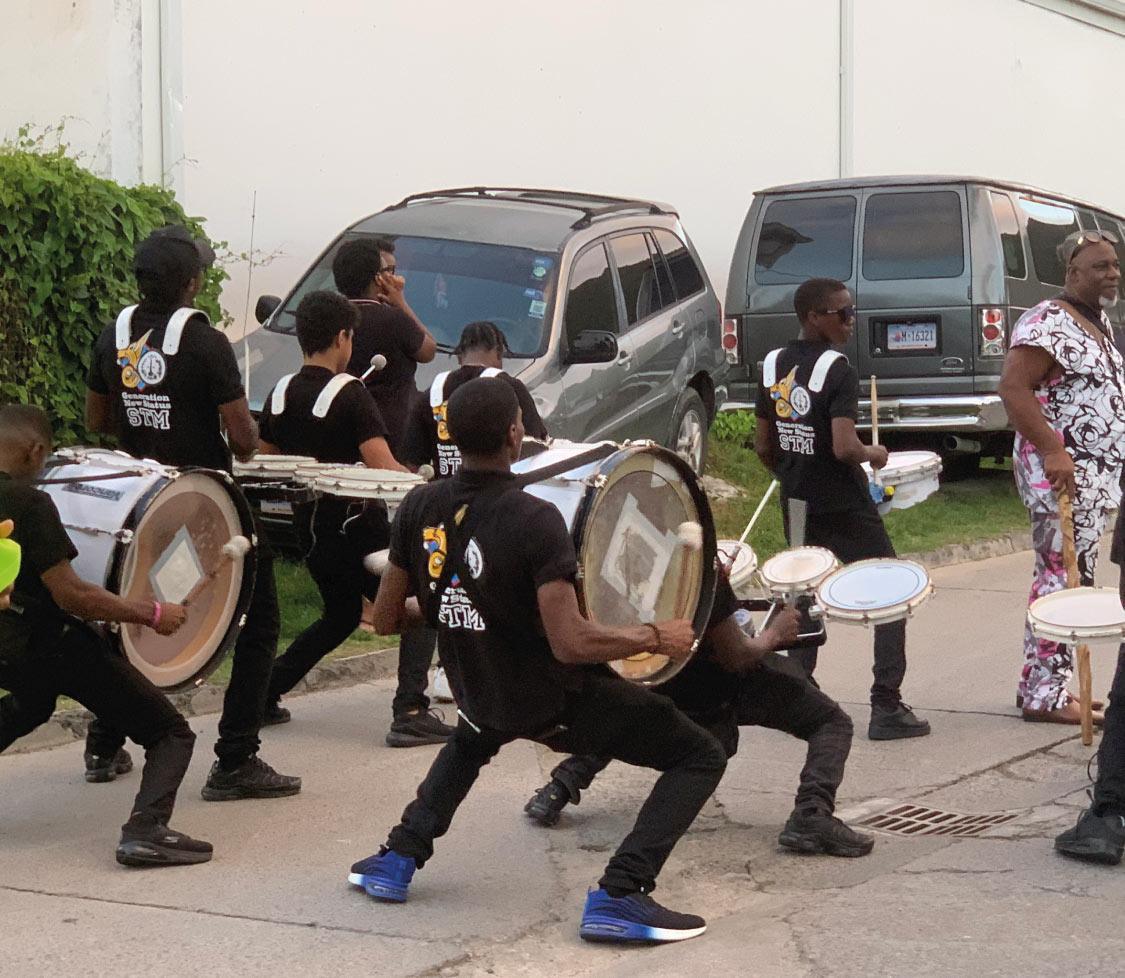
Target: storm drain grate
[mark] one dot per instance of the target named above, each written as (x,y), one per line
(913,820)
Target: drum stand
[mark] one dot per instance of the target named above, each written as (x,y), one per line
(1085,678)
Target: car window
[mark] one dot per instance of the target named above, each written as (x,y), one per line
(1015,262)
(1117,310)
(637,275)
(663,276)
(686,276)
(591,302)
(809,237)
(913,235)
(1047,225)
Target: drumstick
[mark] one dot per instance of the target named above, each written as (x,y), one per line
(758,512)
(234,549)
(875,424)
(1070,558)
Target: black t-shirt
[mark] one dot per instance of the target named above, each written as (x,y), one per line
(492,645)
(802,419)
(166,406)
(388,330)
(40,533)
(703,686)
(352,419)
(427,437)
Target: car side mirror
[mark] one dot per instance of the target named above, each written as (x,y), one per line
(265,306)
(592,346)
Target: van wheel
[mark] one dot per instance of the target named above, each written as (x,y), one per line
(690,439)
(959,465)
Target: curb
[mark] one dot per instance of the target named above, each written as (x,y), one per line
(965,553)
(67,726)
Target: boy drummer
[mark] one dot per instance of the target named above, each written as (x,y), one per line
(808,402)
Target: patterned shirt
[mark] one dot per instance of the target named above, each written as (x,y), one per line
(1085,406)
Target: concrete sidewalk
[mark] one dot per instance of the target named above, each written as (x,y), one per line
(503,897)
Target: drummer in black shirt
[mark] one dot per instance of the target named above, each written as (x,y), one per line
(327,414)
(365,271)
(161,380)
(493,568)
(480,352)
(47,650)
(736,680)
(808,403)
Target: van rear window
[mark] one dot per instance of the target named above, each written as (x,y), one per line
(808,237)
(1015,264)
(1047,225)
(913,235)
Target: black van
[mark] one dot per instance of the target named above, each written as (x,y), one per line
(941,268)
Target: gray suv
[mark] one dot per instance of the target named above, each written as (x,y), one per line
(610,318)
(941,268)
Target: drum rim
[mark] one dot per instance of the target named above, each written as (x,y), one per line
(709,578)
(927,467)
(810,584)
(249,570)
(742,547)
(901,609)
(1041,628)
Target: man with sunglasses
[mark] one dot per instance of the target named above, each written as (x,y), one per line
(808,402)
(1064,389)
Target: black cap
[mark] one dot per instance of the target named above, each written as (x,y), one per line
(171,254)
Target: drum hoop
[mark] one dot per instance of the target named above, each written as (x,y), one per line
(1074,632)
(893,612)
(249,568)
(811,583)
(587,506)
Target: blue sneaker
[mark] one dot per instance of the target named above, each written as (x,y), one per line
(385,876)
(635,919)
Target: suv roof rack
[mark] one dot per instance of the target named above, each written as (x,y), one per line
(570,200)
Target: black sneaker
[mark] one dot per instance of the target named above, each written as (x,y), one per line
(816,833)
(547,803)
(99,770)
(275,714)
(895,724)
(253,778)
(416,729)
(1095,839)
(158,845)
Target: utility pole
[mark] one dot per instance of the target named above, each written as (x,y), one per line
(847,61)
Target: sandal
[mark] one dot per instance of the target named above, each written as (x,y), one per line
(1070,714)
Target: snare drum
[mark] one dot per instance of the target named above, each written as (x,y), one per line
(155,533)
(271,482)
(624,513)
(742,564)
(796,572)
(357,482)
(1085,615)
(907,478)
(873,592)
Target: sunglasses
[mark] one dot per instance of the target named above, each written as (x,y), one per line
(845,313)
(1093,237)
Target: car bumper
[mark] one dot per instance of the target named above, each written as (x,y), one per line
(974,413)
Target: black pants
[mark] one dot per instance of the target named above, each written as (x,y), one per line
(415,653)
(1109,790)
(75,661)
(775,695)
(244,703)
(608,717)
(860,535)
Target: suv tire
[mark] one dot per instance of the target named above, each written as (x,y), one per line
(689,433)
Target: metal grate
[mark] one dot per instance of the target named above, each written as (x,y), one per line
(913,820)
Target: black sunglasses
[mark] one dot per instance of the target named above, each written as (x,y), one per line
(845,312)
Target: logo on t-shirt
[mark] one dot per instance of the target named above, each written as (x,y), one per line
(141,365)
(448,454)
(433,542)
(474,559)
(790,399)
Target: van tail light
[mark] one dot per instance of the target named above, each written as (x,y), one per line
(993,333)
(730,339)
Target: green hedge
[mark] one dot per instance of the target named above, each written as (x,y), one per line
(66,270)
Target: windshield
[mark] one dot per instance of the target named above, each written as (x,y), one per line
(450,284)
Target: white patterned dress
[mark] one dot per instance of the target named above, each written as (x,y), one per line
(1086,409)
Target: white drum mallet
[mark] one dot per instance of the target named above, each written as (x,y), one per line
(378,362)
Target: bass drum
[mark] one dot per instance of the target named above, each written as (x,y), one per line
(624,513)
(148,532)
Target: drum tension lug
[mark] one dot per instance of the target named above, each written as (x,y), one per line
(124,536)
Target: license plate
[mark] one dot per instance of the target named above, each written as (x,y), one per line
(911,336)
(275,507)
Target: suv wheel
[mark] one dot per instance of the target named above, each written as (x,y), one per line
(690,431)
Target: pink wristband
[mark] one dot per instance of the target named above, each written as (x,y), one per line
(157,611)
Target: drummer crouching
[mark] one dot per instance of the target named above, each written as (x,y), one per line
(329,415)
(46,651)
(736,680)
(808,402)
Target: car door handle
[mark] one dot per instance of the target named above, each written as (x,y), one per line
(952,364)
(677,328)
(624,357)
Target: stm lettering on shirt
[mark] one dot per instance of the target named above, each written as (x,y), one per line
(147,410)
(792,436)
(457,610)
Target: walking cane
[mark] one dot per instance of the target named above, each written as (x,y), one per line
(1070,558)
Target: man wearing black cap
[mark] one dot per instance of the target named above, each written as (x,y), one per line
(161,380)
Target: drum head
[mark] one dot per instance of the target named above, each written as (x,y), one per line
(740,562)
(799,568)
(177,542)
(1079,613)
(874,589)
(633,567)
(270,466)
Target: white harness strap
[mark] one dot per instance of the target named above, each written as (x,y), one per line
(769,368)
(437,388)
(821,367)
(277,402)
(124,321)
(175,329)
(324,403)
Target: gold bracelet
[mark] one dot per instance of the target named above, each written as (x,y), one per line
(655,635)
